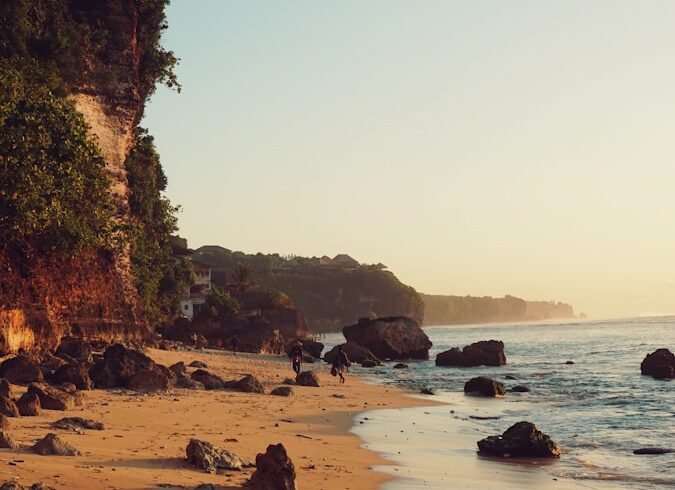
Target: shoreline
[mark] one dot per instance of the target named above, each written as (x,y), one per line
(143,445)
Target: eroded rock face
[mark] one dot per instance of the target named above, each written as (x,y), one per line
(21,370)
(274,470)
(660,364)
(5,388)
(8,408)
(53,445)
(6,442)
(520,440)
(390,338)
(205,455)
(483,353)
(483,386)
(74,349)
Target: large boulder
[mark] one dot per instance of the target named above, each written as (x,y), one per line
(149,380)
(522,440)
(482,386)
(307,378)
(483,353)
(52,398)
(311,347)
(390,337)
(209,380)
(660,364)
(8,408)
(76,374)
(21,370)
(249,384)
(5,388)
(74,350)
(355,352)
(52,445)
(29,405)
(206,456)
(118,366)
(274,470)
(6,442)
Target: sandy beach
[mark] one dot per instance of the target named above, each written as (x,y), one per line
(143,445)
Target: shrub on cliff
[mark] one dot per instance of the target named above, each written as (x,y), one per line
(54,194)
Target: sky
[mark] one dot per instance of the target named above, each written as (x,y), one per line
(474,147)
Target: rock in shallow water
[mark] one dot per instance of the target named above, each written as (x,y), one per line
(660,364)
(482,386)
(653,450)
(522,440)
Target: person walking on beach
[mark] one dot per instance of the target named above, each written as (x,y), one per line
(233,343)
(341,363)
(296,357)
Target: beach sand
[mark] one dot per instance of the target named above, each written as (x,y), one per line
(143,445)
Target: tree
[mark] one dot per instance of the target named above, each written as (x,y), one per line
(242,277)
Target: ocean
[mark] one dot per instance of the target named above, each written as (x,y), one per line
(598,409)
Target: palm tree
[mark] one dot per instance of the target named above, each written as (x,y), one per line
(242,277)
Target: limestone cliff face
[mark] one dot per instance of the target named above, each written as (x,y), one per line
(91,295)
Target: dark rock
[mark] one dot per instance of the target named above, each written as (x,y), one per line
(482,386)
(77,424)
(307,378)
(149,380)
(483,353)
(75,349)
(660,364)
(15,485)
(52,445)
(210,381)
(118,366)
(653,450)
(8,407)
(427,391)
(198,364)
(76,374)
(188,383)
(249,384)
(5,388)
(569,362)
(400,365)
(179,369)
(52,398)
(274,470)
(520,389)
(4,422)
(390,337)
(6,442)
(355,353)
(520,440)
(509,376)
(311,347)
(288,381)
(21,370)
(50,363)
(29,405)
(282,391)
(368,363)
(204,455)
(308,358)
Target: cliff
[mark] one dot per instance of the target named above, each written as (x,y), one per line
(454,310)
(97,58)
(329,294)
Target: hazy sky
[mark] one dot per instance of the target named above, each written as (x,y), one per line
(474,147)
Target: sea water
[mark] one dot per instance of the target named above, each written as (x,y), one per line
(598,407)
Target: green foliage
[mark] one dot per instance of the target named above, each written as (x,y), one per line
(161,278)
(221,305)
(54,194)
(84,43)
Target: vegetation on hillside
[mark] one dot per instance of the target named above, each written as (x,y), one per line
(330,297)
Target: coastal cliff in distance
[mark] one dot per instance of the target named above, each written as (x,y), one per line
(75,77)
(456,310)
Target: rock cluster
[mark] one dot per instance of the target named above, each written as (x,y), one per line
(520,440)
(129,368)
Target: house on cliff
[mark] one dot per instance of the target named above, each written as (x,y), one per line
(195,298)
